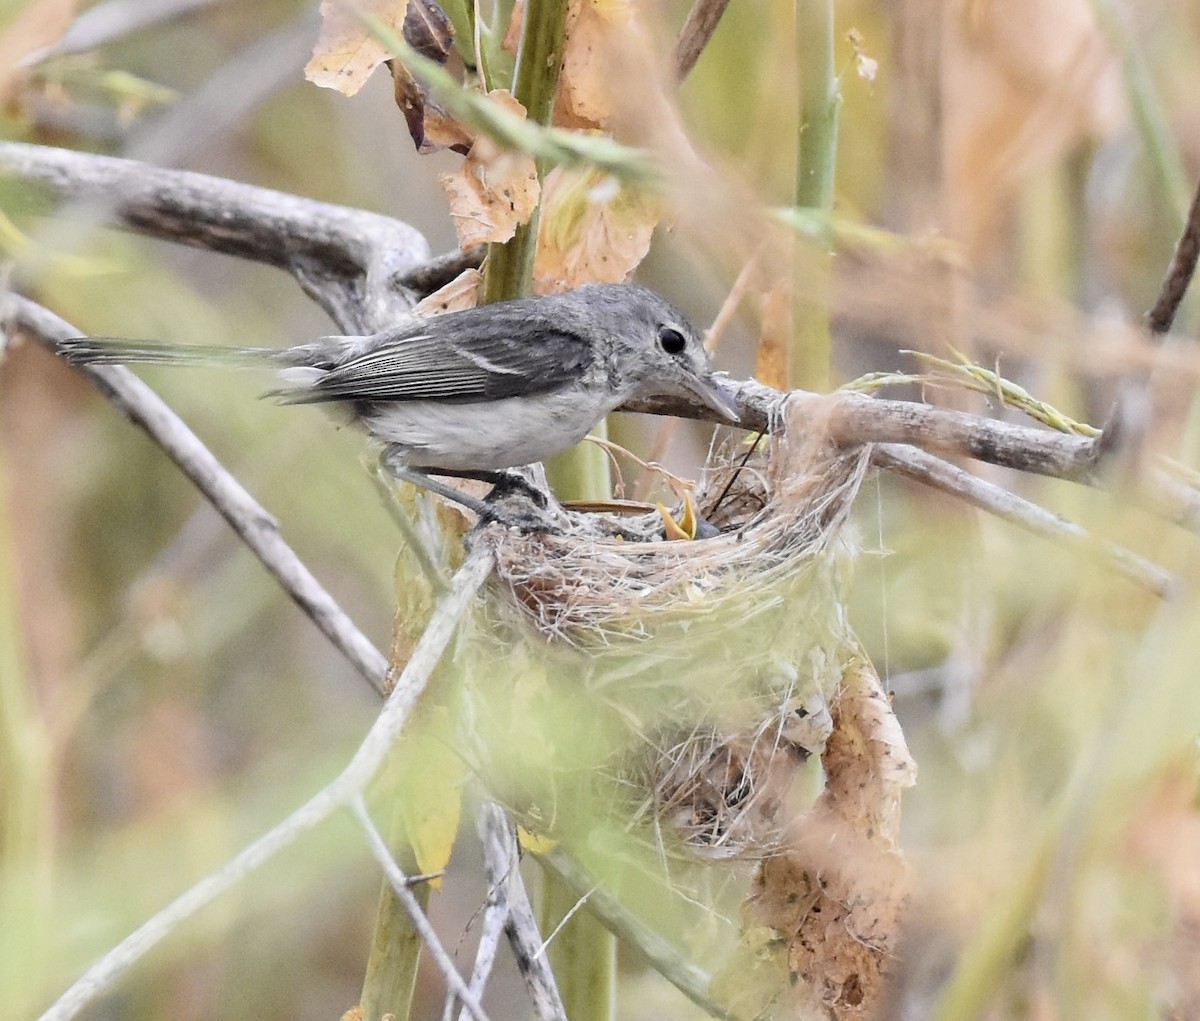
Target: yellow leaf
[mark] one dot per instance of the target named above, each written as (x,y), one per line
(346,51)
(535,843)
(595,31)
(592,230)
(434,775)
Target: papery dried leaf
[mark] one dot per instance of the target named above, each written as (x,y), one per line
(494,191)
(835,896)
(427,29)
(346,51)
(512,37)
(461,293)
(592,230)
(35,28)
(594,30)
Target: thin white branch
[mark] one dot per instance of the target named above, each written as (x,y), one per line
(495,917)
(348,785)
(401,887)
(500,864)
(948,478)
(249,520)
(347,260)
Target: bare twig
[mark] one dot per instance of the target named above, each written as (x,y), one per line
(855,418)
(495,918)
(500,863)
(346,259)
(253,524)
(1179,274)
(340,792)
(701,23)
(401,887)
(941,475)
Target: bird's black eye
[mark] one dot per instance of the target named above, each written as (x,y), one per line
(671,340)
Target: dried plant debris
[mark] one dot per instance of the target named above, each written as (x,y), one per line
(826,909)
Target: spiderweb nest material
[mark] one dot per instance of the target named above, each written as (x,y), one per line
(717,687)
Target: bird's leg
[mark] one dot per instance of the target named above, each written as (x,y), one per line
(502,482)
(486,511)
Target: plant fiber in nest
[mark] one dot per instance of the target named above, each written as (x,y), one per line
(695,676)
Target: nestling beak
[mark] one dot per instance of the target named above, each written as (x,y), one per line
(717,396)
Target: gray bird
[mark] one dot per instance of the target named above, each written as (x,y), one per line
(470,393)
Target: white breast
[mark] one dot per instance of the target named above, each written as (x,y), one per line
(490,434)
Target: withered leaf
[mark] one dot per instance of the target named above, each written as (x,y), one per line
(592,230)
(494,191)
(427,30)
(346,51)
(461,293)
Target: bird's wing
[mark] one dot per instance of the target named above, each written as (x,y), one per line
(463,358)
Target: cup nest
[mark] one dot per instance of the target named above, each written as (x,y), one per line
(721,657)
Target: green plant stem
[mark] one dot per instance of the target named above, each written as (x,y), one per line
(509,272)
(391,974)
(583,953)
(810,354)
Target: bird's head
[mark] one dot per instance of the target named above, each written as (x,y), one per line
(655,351)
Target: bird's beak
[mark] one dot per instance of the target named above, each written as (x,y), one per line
(717,396)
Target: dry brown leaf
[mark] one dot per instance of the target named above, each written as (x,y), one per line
(427,30)
(512,37)
(430,127)
(461,293)
(494,191)
(597,31)
(346,51)
(592,230)
(835,896)
(38,26)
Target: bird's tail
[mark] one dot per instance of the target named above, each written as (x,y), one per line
(119,351)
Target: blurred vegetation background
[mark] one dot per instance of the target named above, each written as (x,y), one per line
(161,702)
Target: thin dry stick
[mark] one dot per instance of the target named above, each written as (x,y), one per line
(1179,274)
(1125,429)
(495,918)
(948,478)
(702,21)
(340,792)
(500,863)
(245,515)
(401,887)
